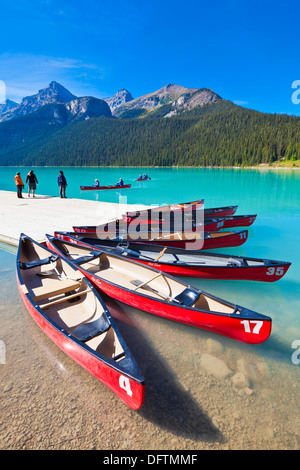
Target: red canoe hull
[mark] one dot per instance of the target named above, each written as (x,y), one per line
(232,273)
(209,226)
(247,331)
(266,273)
(115,381)
(238,221)
(220,211)
(99,188)
(234,239)
(229,239)
(250,327)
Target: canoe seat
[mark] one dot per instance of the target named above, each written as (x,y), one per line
(187,297)
(90,330)
(84,259)
(38,262)
(54,288)
(237,262)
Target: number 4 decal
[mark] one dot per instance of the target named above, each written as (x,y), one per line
(125,385)
(255,329)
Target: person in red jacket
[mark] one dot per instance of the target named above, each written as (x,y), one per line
(19,184)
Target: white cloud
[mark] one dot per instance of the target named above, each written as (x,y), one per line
(25,74)
(240,102)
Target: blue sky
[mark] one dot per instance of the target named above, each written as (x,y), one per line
(247,52)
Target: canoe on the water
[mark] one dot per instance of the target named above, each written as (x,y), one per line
(189,263)
(230,221)
(155,292)
(192,205)
(122,227)
(91,188)
(188,208)
(72,314)
(201,241)
(210,223)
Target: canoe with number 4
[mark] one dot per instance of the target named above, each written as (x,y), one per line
(71,312)
(157,293)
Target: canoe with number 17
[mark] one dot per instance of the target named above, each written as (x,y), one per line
(154,292)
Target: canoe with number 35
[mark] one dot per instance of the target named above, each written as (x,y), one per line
(188,263)
(157,293)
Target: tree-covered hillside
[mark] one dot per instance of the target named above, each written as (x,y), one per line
(218,134)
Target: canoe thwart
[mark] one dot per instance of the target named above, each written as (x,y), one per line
(66,297)
(140,284)
(54,288)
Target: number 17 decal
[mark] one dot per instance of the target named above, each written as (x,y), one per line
(252,326)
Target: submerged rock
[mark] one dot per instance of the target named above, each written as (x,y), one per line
(215,366)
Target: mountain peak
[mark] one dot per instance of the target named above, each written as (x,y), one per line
(53,93)
(7,107)
(121,97)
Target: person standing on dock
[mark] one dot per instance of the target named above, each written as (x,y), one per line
(19,184)
(32,181)
(62,183)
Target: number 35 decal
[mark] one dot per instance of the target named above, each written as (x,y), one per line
(276,271)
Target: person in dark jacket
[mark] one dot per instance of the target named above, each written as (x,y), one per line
(62,183)
(32,181)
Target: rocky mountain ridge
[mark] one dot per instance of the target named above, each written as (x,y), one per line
(55,94)
(171,99)
(178,97)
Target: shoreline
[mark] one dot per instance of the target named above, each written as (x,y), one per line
(261,166)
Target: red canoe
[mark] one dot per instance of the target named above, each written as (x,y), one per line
(201,241)
(188,207)
(157,293)
(121,226)
(192,205)
(72,314)
(210,223)
(93,188)
(231,221)
(189,263)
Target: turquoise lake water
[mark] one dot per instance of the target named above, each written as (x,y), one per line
(274,195)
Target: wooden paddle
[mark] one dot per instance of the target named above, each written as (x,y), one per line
(142,285)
